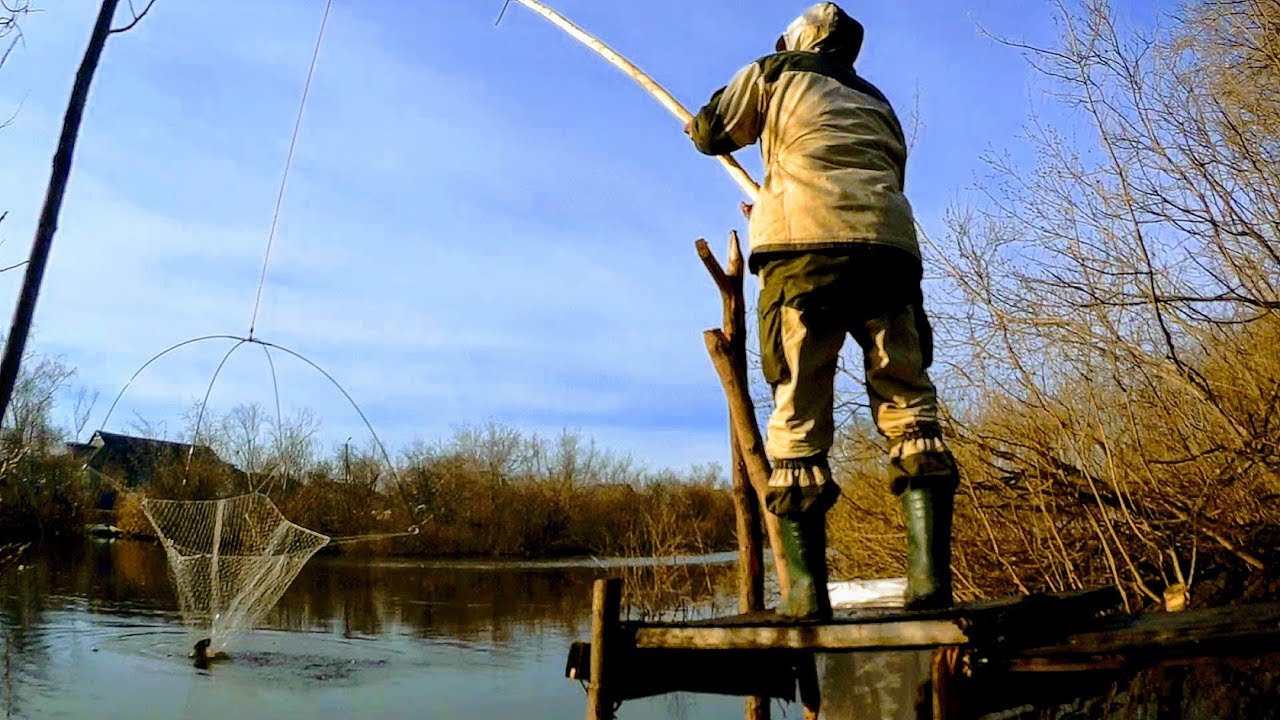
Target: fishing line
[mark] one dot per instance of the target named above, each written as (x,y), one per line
(251,338)
(275,390)
(240,341)
(288,163)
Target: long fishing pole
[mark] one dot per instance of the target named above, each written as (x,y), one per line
(659,93)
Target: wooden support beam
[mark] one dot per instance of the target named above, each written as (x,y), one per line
(728,349)
(606,609)
(809,685)
(1158,637)
(645,673)
(742,413)
(946,680)
(830,637)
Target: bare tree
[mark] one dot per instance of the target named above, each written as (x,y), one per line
(20,328)
(81,410)
(29,419)
(244,442)
(1114,310)
(11,13)
(293,448)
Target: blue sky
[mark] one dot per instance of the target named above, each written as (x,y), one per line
(481,223)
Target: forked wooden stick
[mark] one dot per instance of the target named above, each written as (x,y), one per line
(740,176)
(727,348)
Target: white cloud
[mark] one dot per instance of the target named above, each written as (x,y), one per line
(492,225)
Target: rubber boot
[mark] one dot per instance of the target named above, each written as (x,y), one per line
(804,544)
(927,511)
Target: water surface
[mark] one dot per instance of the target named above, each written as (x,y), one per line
(94,632)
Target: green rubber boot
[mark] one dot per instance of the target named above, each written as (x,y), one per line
(804,544)
(927,511)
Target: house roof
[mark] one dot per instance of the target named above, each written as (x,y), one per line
(135,458)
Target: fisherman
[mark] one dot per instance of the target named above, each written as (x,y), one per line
(833,243)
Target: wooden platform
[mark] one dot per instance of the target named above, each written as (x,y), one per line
(878,630)
(764,655)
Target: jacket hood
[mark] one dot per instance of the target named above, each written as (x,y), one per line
(824,28)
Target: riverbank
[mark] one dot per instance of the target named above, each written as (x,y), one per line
(492,495)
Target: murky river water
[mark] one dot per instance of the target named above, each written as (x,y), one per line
(93,632)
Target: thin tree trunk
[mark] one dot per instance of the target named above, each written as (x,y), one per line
(20,328)
(746,501)
(733,377)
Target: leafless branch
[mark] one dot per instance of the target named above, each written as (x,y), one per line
(137,17)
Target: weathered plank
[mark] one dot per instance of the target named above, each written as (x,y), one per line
(1161,636)
(830,637)
(640,673)
(998,622)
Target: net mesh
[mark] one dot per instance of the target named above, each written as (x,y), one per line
(231,559)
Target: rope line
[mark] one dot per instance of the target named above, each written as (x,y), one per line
(382,448)
(268,482)
(195,432)
(288,163)
(275,390)
(107,418)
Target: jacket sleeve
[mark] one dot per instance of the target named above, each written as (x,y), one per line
(902,138)
(734,117)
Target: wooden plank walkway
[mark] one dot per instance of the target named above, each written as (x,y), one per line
(1160,637)
(740,633)
(880,629)
(763,655)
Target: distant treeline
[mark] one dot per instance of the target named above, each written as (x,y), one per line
(487,491)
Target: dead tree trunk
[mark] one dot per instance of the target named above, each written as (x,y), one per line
(727,346)
(16,342)
(728,349)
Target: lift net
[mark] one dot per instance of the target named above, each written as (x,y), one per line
(231,559)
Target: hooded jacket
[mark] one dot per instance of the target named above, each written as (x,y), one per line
(833,149)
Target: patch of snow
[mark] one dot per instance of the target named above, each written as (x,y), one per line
(874,593)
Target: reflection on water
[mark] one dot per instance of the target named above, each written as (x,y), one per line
(93,631)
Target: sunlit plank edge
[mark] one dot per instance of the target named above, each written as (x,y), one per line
(869,636)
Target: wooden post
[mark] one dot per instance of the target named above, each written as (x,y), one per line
(746,502)
(945,679)
(1172,680)
(733,376)
(606,607)
(746,499)
(810,689)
